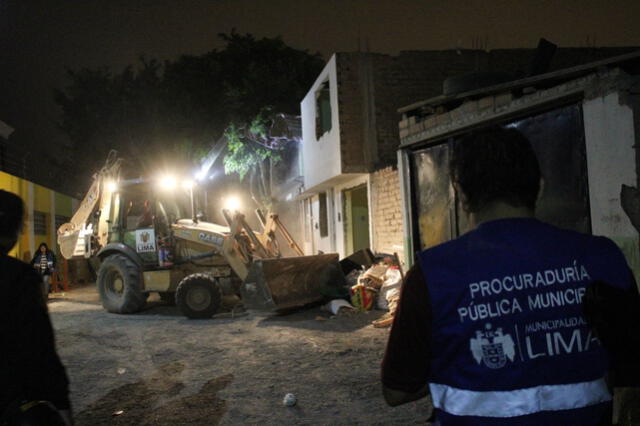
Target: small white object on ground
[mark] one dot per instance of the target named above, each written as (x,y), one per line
(335,305)
(289,400)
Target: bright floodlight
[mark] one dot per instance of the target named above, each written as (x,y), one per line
(187,184)
(112,186)
(232,203)
(200,175)
(168,182)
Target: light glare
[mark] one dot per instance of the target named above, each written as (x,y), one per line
(232,203)
(168,182)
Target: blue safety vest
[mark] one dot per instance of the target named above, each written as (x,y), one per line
(510,343)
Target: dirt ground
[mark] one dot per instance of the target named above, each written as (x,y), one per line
(159,368)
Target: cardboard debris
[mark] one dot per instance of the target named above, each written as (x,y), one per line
(390,289)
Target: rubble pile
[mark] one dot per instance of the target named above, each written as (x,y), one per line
(373,282)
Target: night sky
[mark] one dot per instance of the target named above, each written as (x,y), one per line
(40,37)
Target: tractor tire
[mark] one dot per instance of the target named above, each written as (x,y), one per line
(199,296)
(120,286)
(168,297)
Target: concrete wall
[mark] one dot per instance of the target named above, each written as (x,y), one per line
(320,157)
(610,139)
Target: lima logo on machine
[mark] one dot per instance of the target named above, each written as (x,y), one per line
(492,347)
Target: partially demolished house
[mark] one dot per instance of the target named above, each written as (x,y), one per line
(350,192)
(349,131)
(584,124)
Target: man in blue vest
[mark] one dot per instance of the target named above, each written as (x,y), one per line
(493,325)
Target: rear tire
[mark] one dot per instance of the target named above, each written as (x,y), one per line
(198,296)
(120,286)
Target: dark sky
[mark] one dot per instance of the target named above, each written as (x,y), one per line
(38,38)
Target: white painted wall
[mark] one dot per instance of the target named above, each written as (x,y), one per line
(307,226)
(609,137)
(325,244)
(320,158)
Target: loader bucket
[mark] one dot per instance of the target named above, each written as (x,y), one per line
(290,282)
(68,242)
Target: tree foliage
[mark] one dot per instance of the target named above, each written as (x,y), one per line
(252,152)
(155,111)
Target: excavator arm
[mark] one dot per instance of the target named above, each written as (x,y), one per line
(74,237)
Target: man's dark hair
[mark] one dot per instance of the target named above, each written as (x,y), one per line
(495,164)
(11,211)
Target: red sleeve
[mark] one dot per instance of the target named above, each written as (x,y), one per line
(405,366)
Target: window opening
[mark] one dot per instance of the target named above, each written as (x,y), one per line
(323,219)
(323,109)
(39,223)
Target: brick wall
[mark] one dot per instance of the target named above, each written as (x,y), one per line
(386,83)
(350,110)
(477,111)
(386,212)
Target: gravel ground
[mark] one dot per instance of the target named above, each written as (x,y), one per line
(159,368)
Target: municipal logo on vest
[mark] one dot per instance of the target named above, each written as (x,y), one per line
(492,347)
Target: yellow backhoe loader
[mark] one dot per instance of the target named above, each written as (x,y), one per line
(147,239)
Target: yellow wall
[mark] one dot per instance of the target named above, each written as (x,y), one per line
(38,198)
(63,205)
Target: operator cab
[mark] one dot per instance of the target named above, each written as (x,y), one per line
(141,217)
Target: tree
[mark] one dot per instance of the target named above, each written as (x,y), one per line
(152,110)
(279,77)
(252,152)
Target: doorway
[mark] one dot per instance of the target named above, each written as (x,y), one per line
(356,218)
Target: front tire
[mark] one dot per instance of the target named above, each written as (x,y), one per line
(198,296)
(120,286)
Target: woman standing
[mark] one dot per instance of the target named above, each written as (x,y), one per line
(45,262)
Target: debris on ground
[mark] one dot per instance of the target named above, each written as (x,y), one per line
(372,282)
(339,307)
(352,277)
(384,321)
(289,400)
(357,261)
(363,297)
(390,289)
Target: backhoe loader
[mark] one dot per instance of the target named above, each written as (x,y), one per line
(146,237)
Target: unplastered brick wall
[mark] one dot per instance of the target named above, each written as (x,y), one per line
(407,78)
(372,87)
(445,64)
(386,212)
(476,112)
(350,109)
